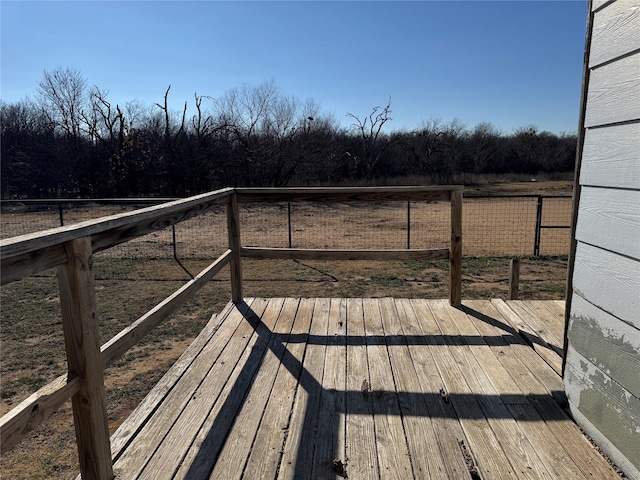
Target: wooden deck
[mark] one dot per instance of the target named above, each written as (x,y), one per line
(369,388)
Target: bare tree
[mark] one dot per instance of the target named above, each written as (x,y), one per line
(103,122)
(205,125)
(168,129)
(257,118)
(373,142)
(483,146)
(63,96)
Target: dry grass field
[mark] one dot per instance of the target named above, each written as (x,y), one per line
(134,277)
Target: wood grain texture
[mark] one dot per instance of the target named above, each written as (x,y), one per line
(346,194)
(360,431)
(489,380)
(35,409)
(316,254)
(455,256)
(266,451)
(448,430)
(492,461)
(551,317)
(241,435)
(514,278)
(615,31)
(614,92)
(610,219)
(547,381)
(155,398)
(297,454)
(123,341)
(330,436)
(568,452)
(609,281)
(22,265)
(611,345)
(227,399)
(230,341)
(611,157)
(288,367)
(545,342)
(235,245)
(424,449)
(391,443)
(82,345)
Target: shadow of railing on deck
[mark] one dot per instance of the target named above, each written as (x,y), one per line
(526,336)
(436,404)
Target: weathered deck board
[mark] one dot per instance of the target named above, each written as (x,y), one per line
(489,455)
(297,456)
(422,441)
(330,436)
(360,435)
(485,374)
(516,398)
(446,426)
(534,330)
(374,388)
(393,454)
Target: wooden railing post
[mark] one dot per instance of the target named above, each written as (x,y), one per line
(82,342)
(455,253)
(514,278)
(233,228)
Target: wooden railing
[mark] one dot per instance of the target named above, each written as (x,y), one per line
(71,248)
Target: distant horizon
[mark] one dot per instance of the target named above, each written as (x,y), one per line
(475,62)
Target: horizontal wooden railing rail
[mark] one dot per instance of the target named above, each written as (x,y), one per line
(452,194)
(327,254)
(32,253)
(70,248)
(347,194)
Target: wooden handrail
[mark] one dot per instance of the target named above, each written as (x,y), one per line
(346,194)
(28,254)
(71,249)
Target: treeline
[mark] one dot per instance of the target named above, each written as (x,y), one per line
(72,142)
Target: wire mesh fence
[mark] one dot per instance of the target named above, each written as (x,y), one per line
(492,226)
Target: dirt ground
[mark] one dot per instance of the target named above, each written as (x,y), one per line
(133,279)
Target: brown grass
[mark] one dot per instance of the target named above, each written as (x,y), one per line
(127,287)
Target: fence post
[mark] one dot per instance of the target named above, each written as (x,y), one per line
(408,224)
(514,278)
(289,222)
(455,252)
(536,241)
(60,214)
(233,228)
(82,342)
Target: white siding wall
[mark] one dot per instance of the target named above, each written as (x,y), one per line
(602,372)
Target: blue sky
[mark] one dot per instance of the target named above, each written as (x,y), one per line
(511,63)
